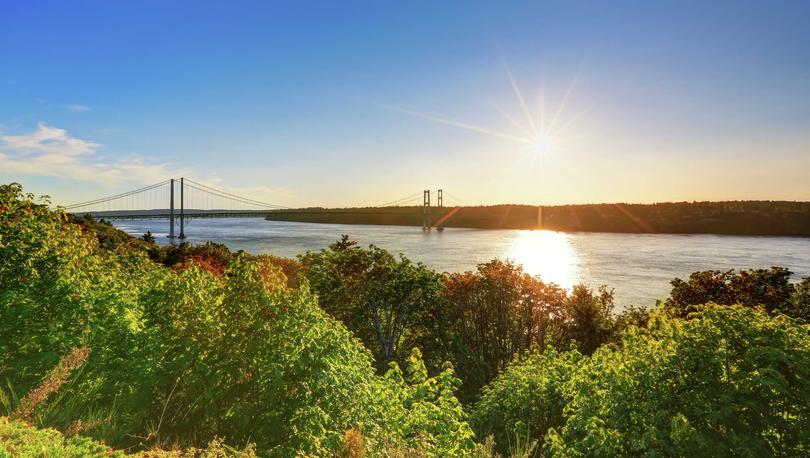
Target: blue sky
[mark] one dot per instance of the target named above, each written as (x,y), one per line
(351,103)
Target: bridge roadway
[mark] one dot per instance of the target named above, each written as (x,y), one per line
(165,214)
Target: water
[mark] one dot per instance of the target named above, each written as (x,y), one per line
(638,266)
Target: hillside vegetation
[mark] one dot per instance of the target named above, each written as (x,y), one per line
(732,217)
(111,345)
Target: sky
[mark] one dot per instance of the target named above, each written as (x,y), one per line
(358,103)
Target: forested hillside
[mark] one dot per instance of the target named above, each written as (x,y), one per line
(733,217)
(111,345)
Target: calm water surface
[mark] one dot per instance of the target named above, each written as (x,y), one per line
(638,266)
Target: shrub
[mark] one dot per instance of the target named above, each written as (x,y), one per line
(180,357)
(527,399)
(20,440)
(495,313)
(436,422)
(769,288)
(499,312)
(381,298)
(732,381)
(60,290)
(587,319)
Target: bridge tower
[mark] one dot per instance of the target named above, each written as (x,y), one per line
(426,223)
(171,210)
(182,212)
(442,217)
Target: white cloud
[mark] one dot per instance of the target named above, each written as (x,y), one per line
(50,151)
(78,108)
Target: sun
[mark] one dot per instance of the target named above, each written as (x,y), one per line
(535,134)
(541,144)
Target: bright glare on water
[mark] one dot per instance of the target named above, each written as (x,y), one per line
(548,254)
(638,266)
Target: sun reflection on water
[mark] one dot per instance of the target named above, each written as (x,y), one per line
(547,254)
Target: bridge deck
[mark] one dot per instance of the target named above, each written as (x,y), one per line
(165,215)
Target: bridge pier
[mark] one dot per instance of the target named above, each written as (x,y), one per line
(182,212)
(426,223)
(171,211)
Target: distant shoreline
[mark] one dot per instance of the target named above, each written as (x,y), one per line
(765,218)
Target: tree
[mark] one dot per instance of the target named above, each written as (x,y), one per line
(769,288)
(395,299)
(730,381)
(801,301)
(588,318)
(379,297)
(148,237)
(495,313)
(527,399)
(182,356)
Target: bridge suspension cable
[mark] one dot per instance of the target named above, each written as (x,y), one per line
(117,196)
(226,195)
(455,199)
(208,197)
(403,200)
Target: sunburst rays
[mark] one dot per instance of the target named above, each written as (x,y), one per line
(533,132)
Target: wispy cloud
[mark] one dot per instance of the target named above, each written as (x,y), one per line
(49,151)
(78,108)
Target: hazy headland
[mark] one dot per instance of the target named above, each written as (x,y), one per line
(782,218)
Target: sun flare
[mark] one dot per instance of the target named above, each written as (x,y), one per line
(534,133)
(541,144)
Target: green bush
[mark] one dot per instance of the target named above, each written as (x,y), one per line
(182,356)
(61,290)
(587,320)
(18,439)
(98,339)
(499,311)
(767,288)
(527,399)
(383,299)
(732,381)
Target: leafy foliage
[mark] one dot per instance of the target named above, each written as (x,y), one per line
(163,349)
(732,381)
(527,399)
(183,356)
(495,313)
(499,312)
(436,422)
(109,238)
(20,440)
(381,298)
(769,288)
(588,318)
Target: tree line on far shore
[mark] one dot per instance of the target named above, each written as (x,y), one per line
(781,218)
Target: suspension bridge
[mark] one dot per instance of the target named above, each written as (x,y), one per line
(178,200)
